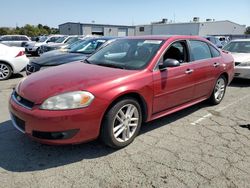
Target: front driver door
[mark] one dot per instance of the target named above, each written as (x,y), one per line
(174,86)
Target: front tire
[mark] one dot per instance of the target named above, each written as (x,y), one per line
(121,123)
(5,71)
(219,90)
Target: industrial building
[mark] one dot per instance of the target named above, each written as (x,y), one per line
(164,27)
(71,28)
(195,27)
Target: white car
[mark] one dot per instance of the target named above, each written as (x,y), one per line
(35,47)
(14,40)
(12,60)
(240,50)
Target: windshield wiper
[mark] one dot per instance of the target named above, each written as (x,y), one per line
(86,61)
(113,65)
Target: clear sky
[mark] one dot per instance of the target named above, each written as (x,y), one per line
(125,12)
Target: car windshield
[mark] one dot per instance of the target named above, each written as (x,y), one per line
(60,39)
(72,40)
(75,44)
(88,46)
(132,54)
(238,47)
(42,39)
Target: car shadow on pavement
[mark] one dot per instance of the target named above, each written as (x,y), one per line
(237,82)
(18,153)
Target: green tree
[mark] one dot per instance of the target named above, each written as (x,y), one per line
(247,30)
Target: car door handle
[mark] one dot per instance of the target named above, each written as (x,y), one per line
(216,64)
(189,71)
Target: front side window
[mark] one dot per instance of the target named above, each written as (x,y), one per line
(178,51)
(132,54)
(199,50)
(238,47)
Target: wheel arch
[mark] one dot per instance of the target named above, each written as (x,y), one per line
(137,97)
(7,63)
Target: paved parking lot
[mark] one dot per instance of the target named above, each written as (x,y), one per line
(202,146)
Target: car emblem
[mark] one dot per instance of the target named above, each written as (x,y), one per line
(18,98)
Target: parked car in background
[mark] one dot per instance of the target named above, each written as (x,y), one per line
(12,60)
(34,48)
(240,50)
(63,41)
(110,94)
(57,57)
(14,40)
(219,41)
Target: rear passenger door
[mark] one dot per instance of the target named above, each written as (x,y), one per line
(206,67)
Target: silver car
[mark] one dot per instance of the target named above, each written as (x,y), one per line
(240,50)
(14,40)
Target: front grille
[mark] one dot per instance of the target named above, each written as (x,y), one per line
(22,101)
(19,123)
(237,63)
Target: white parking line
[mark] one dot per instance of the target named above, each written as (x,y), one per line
(218,110)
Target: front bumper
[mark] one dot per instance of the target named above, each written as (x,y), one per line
(56,127)
(242,72)
(31,49)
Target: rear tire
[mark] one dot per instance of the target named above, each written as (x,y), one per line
(121,123)
(218,91)
(5,71)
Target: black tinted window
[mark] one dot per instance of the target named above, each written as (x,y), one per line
(214,51)
(199,50)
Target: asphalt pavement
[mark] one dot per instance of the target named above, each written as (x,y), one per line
(202,146)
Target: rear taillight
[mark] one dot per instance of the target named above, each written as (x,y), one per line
(20,54)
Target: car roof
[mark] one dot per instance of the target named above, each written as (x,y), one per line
(166,37)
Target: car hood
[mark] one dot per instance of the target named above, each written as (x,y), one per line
(71,77)
(241,57)
(57,57)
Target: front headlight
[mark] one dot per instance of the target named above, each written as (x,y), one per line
(244,64)
(71,100)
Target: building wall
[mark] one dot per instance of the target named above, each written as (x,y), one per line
(221,28)
(147,30)
(70,29)
(86,30)
(176,29)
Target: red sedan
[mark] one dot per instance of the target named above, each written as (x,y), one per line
(109,95)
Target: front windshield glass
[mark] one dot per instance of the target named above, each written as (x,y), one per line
(75,44)
(88,46)
(72,40)
(42,39)
(60,39)
(238,47)
(130,54)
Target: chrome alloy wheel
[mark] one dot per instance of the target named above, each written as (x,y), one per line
(125,122)
(4,71)
(219,89)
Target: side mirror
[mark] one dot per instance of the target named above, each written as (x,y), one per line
(169,63)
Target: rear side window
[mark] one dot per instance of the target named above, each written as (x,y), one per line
(23,38)
(214,51)
(199,50)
